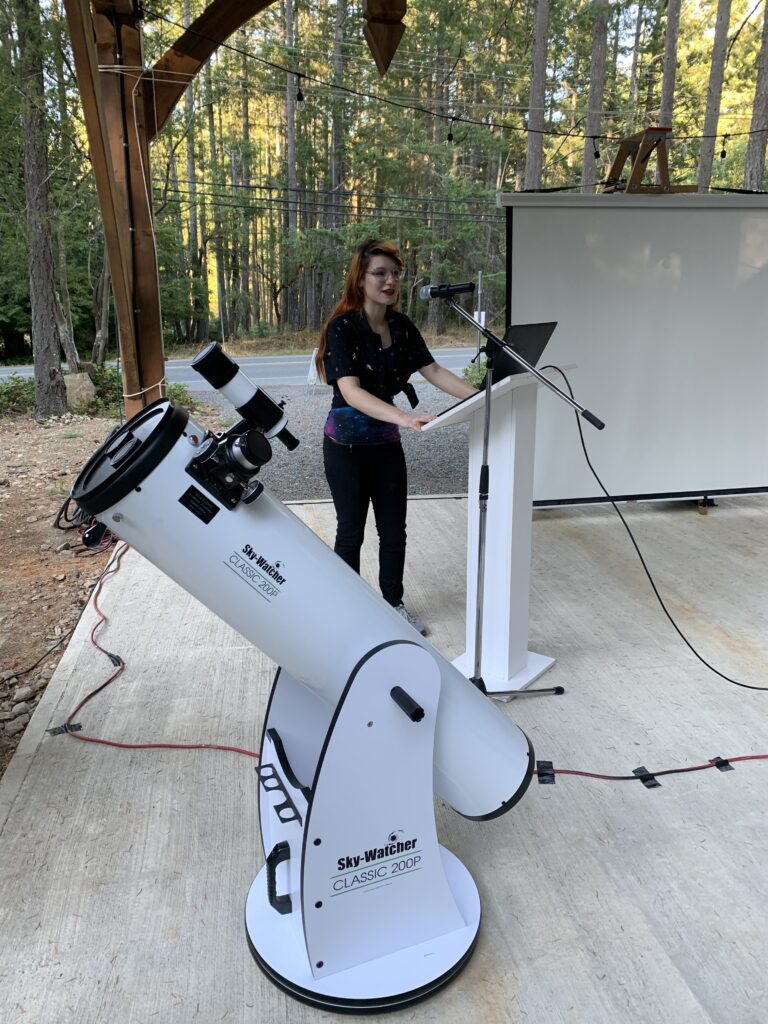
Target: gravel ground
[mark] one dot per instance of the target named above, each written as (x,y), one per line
(437,460)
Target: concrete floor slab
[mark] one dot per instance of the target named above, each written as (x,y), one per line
(604,902)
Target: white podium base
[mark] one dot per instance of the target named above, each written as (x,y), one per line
(385,983)
(536,665)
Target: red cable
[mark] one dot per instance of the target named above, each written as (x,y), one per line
(666,771)
(113,567)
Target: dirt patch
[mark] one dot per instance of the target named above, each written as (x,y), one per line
(46,575)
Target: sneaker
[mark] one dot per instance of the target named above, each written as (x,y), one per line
(417,624)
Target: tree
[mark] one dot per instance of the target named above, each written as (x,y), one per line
(754,163)
(589,168)
(50,393)
(535,142)
(714,94)
(670,63)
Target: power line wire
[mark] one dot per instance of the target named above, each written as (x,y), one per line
(414,107)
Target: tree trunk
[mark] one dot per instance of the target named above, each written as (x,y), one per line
(535,144)
(754,163)
(589,167)
(193,232)
(337,115)
(653,55)
(436,313)
(714,94)
(189,114)
(670,63)
(102,296)
(50,393)
(633,90)
(202,326)
(288,294)
(245,178)
(63,304)
(64,309)
(218,228)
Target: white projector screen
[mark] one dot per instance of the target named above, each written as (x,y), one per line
(662,303)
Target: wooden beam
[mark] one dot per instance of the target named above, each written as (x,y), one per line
(126,8)
(103,142)
(120,161)
(178,66)
(147,314)
(124,109)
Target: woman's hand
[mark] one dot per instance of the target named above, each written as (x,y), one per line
(374,407)
(413,421)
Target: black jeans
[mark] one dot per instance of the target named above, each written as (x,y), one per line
(375,474)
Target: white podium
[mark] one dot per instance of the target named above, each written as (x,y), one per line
(507,663)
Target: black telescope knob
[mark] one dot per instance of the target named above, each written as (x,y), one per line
(407,704)
(288,439)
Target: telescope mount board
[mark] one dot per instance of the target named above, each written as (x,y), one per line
(387,983)
(375,914)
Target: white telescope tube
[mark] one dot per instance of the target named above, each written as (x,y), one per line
(265,573)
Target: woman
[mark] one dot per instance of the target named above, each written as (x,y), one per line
(367,351)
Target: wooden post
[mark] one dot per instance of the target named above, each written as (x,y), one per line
(105,142)
(125,108)
(383,29)
(146,285)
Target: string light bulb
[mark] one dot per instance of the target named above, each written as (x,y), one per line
(722,151)
(299,93)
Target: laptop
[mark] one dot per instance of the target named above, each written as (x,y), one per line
(528,340)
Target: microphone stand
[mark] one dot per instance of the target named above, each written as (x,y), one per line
(493,344)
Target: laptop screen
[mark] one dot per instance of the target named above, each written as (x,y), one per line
(528,341)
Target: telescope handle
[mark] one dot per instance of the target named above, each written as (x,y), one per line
(411,708)
(281,852)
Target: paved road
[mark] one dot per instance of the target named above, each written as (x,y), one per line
(263,370)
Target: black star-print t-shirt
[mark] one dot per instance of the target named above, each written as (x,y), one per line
(355,350)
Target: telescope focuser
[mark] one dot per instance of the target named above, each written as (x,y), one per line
(225,466)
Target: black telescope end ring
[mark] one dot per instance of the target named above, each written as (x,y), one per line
(215,366)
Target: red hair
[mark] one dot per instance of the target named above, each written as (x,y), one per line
(353,295)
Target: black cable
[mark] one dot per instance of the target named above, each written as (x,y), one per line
(50,650)
(417,108)
(617,510)
(64,521)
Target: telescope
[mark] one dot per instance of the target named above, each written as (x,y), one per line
(357,908)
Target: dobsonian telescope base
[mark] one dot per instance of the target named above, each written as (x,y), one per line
(386,983)
(358,908)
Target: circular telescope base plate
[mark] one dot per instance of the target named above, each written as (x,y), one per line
(388,982)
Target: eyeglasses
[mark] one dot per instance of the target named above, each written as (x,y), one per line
(380,274)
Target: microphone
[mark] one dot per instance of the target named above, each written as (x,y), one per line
(445,291)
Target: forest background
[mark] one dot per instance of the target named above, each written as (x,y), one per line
(289,149)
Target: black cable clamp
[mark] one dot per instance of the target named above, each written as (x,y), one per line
(721,764)
(59,729)
(647,778)
(546,773)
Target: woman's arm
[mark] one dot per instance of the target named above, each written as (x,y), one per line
(374,407)
(448,382)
